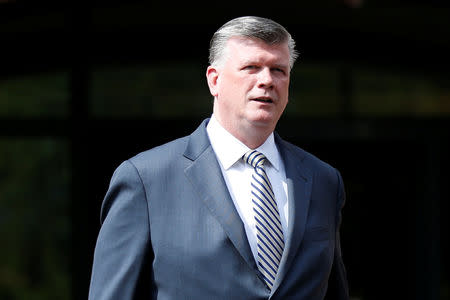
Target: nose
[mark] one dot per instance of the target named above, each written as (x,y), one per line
(265,79)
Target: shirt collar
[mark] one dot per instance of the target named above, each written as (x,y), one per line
(229,149)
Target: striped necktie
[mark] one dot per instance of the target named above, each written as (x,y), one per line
(270,241)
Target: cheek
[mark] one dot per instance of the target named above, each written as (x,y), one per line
(228,84)
(235,89)
(284,88)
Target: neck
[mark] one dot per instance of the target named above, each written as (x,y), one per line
(250,136)
(253,141)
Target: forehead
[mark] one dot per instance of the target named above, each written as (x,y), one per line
(244,48)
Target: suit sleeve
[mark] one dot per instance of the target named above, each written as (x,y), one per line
(122,247)
(338,285)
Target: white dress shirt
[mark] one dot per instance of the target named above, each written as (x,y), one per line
(229,151)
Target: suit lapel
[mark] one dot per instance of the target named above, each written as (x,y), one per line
(299,184)
(205,175)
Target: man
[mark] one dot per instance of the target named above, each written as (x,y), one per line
(231,211)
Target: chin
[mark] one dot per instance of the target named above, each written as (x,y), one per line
(266,123)
(264,118)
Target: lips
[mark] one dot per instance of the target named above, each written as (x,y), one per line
(263,99)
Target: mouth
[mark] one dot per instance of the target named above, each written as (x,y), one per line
(263,99)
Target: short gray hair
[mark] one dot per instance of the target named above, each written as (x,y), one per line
(264,29)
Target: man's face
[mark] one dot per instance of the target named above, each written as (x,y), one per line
(250,85)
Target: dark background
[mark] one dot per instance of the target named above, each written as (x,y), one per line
(85,86)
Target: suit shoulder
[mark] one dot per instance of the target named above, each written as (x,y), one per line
(308,158)
(321,170)
(161,154)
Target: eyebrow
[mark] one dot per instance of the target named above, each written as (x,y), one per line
(252,62)
(281,66)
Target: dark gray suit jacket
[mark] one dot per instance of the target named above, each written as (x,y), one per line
(170,230)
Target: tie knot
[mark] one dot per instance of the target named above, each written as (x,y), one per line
(254,158)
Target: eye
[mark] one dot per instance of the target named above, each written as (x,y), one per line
(279,70)
(250,67)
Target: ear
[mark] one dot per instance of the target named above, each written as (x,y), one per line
(212,75)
